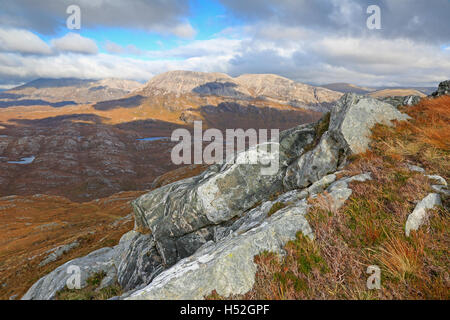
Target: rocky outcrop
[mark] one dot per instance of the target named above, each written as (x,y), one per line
(443,89)
(348,133)
(58,252)
(354,116)
(139,263)
(182,216)
(119,264)
(402,101)
(186,215)
(203,232)
(47,287)
(418,217)
(226,265)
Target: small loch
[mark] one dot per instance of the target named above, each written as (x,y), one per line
(26,160)
(153,139)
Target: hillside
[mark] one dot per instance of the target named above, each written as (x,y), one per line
(60,92)
(268,88)
(70,145)
(348,88)
(41,232)
(364,186)
(396,93)
(380,91)
(178,96)
(250,86)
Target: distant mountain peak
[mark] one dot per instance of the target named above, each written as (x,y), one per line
(249,86)
(74,89)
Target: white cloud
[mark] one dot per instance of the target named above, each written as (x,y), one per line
(302,55)
(200,48)
(184,30)
(22,68)
(167,17)
(22,41)
(115,48)
(73,42)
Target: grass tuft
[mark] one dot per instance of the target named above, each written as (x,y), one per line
(91,291)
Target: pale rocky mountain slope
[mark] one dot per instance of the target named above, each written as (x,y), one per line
(71,89)
(268,87)
(285,90)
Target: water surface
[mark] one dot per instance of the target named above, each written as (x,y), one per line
(26,160)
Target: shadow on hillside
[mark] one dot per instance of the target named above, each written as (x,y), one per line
(131,102)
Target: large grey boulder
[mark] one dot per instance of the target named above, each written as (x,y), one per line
(348,133)
(398,101)
(226,265)
(418,217)
(354,116)
(132,262)
(47,287)
(314,164)
(182,215)
(139,264)
(443,89)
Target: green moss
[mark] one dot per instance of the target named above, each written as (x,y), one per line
(289,278)
(276,207)
(91,291)
(323,125)
(308,255)
(96,279)
(320,128)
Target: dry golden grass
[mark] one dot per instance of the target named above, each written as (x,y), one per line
(401,259)
(396,92)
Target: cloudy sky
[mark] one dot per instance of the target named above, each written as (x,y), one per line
(311,41)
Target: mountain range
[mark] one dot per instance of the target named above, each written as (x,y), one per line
(66,91)
(383,91)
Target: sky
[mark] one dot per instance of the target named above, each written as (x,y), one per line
(310,41)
